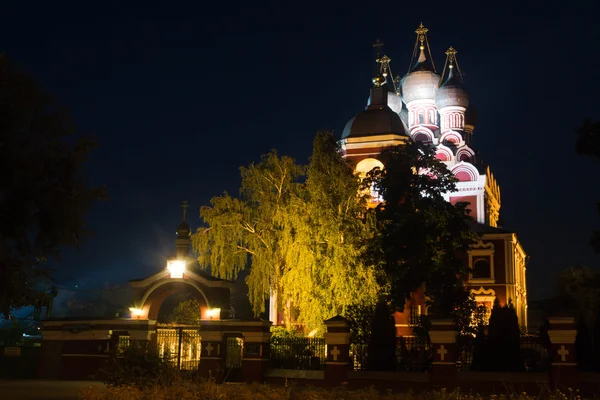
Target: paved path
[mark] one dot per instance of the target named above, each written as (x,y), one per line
(28,389)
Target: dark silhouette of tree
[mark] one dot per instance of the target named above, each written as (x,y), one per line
(588,143)
(382,343)
(43,196)
(504,340)
(420,234)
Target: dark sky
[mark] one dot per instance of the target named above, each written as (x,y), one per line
(180,95)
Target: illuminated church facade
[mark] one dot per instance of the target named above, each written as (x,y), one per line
(434,109)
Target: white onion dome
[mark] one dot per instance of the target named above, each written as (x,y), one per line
(377,119)
(421,82)
(452,92)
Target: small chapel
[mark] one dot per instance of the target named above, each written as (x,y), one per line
(434,108)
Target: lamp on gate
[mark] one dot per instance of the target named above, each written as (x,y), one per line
(176,268)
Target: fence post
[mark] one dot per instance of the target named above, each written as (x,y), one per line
(563,370)
(443,343)
(212,350)
(337,345)
(257,336)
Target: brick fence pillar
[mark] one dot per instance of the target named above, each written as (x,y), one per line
(443,344)
(337,343)
(257,337)
(563,368)
(212,351)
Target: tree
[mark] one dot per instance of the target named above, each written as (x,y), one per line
(329,274)
(504,340)
(187,312)
(43,194)
(588,143)
(420,234)
(256,230)
(299,230)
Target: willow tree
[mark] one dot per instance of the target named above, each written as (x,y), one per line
(330,275)
(299,230)
(254,230)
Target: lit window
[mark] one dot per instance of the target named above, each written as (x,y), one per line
(414,318)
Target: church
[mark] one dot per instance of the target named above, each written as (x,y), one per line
(434,108)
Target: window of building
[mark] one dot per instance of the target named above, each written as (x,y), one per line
(414,318)
(481,269)
(421,118)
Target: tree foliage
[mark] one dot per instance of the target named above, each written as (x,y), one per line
(186,312)
(588,143)
(420,234)
(43,196)
(299,229)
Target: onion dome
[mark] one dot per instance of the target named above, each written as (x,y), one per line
(183,230)
(421,82)
(377,119)
(394,102)
(452,92)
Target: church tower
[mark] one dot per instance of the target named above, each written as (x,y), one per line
(435,109)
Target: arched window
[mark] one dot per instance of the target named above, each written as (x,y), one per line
(421,117)
(432,117)
(481,269)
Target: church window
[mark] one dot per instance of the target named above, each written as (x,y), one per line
(421,137)
(432,117)
(481,269)
(421,118)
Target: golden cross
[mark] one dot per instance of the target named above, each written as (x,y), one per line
(421,31)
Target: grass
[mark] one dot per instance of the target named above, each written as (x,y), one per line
(211,391)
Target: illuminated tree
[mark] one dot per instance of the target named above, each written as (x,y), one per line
(330,274)
(420,234)
(186,312)
(43,194)
(300,231)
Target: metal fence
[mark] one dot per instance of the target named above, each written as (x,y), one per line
(298,353)
(180,346)
(534,355)
(412,354)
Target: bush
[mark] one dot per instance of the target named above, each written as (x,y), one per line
(138,367)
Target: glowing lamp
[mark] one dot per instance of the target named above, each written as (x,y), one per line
(136,312)
(213,313)
(176,268)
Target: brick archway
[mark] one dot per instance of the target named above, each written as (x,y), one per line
(156,296)
(150,293)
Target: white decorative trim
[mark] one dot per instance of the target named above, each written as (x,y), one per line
(337,338)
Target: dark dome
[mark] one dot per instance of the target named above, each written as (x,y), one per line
(374,121)
(377,119)
(183,229)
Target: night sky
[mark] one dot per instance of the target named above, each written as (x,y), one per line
(179,96)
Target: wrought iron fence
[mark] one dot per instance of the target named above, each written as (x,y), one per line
(180,346)
(534,355)
(298,353)
(412,354)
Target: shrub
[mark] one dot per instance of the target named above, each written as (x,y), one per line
(138,367)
